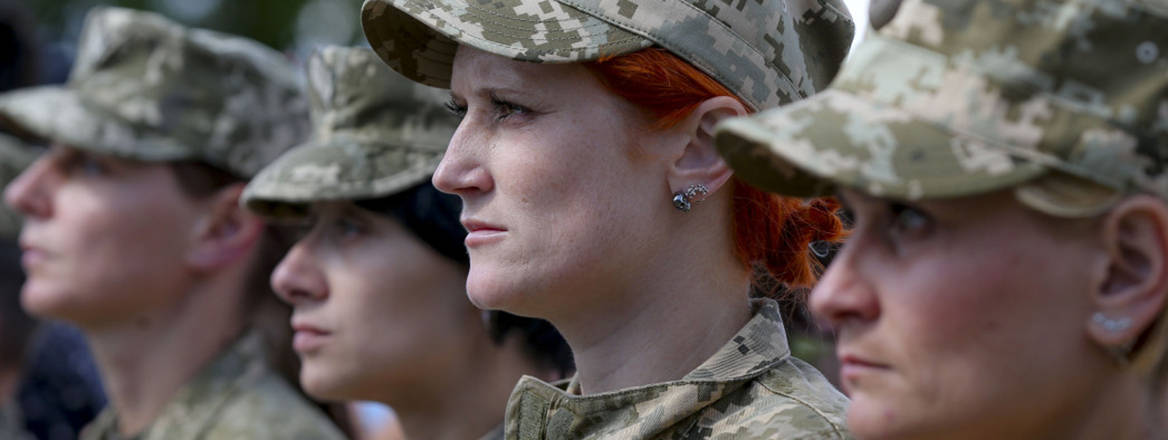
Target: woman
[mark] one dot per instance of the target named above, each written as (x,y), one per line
(594,198)
(377,281)
(133,230)
(1008,272)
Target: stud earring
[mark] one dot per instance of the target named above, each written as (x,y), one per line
(1111,325)
(683,200)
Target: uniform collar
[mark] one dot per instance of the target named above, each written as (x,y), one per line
(537,408)
(198,403)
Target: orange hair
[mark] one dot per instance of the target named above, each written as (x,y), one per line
(771,232)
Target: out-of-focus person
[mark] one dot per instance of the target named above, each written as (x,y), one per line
(594,198)
(134,233)
(378,278)
(1005,162)
(17,328)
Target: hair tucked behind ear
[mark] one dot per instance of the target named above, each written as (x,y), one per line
(772,234)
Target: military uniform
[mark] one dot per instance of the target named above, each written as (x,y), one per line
(1065,104)
(237,396)
(374,134)
(751,388)
(148,89)
(768,53)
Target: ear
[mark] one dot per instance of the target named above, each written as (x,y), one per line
(699,162)
(226,234)
(1131,296)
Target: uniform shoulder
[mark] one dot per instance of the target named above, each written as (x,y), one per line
(805,400)
(269,409)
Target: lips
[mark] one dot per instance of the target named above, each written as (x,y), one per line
(855,369)
(308,338)
(480,233)
(31,256)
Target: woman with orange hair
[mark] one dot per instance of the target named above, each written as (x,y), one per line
(594,198)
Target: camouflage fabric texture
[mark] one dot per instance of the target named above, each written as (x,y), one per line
(750,389)
(768,52)
(146,88)
(235,397)
(15,156)
(374,134)
(957,98)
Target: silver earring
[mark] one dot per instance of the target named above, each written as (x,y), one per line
(1112,325)
(683,200)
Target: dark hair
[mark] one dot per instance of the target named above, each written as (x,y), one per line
(433,217)
(16,326)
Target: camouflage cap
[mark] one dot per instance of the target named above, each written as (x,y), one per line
(15,156)
(374,134)
(956,98)
(146,88)
(768,52)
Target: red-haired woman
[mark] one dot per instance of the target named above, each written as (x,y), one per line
(594,198)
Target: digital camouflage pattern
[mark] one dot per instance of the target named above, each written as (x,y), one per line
(15,156)
(768,52)
(146,88)
(237,396)
(374,134)
(955,98)
(750,389)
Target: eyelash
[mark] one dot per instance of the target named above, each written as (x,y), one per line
(503,109)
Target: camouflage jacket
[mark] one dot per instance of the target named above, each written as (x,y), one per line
(235,397)
(11,422)
(752,388)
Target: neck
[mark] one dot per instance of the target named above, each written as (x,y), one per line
(676,312)
(145,361)
(473,403)
(1125,410)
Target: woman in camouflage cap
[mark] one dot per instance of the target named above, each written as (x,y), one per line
(583,152)
(378,278)
(134,233)
(1005,160)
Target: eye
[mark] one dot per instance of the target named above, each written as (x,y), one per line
(456,109)
(347,228)
(78,163)
(908,221)
(506,109)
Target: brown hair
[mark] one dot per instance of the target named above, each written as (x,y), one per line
(772,233)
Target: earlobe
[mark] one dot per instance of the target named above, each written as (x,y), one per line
(1130,298)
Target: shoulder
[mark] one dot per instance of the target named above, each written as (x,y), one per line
(269,408)
(792,401)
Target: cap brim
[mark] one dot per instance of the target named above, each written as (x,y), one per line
(418,38)
(337,170)
(58,115)
(838,139)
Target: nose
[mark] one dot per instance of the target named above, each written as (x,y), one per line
(30,192)
(462,170)
(844,296)
(298,279)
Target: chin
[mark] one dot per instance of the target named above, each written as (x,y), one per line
(489,291)
(871,421)
(318,383)
(43,301)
